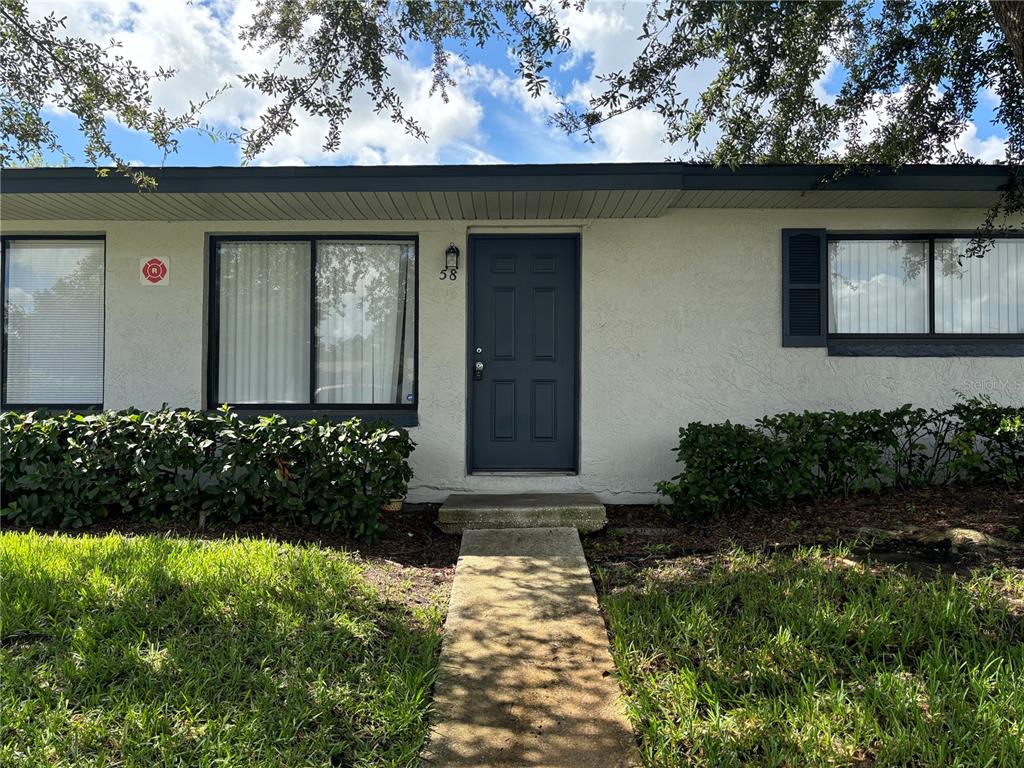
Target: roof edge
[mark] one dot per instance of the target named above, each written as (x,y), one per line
(512,178)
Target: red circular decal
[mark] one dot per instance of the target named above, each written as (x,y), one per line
(154,270)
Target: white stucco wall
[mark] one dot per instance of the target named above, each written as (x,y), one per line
(681,321)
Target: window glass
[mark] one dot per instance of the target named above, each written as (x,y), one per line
(979,295)
(365,336)
(878,286)
(356,315)
(54,322)
(264,322)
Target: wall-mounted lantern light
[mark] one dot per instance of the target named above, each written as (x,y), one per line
(451,263)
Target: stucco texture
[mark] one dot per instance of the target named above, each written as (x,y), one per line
(681,321)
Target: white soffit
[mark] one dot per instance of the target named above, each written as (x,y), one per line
(482,193)
(384,206)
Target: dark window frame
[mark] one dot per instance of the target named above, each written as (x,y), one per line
(403,414)
(4,285)
(917,344)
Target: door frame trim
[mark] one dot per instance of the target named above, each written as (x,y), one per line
(471,240)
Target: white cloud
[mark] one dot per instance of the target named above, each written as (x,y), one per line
(634,137)
(989,97)
(608,32)
(820,87)
(369,139)
(989,150)
(605,35)
(200,42)
(507,87)
(202,49)
(477,156)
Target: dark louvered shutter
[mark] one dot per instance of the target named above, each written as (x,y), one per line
(803,288)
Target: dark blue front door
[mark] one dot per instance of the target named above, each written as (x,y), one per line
(523,345)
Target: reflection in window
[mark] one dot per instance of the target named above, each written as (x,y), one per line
(878,286)
(979,295)
(351,303)
(364,331)
(54,322)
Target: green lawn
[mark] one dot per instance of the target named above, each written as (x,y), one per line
(157,651)
(812,659)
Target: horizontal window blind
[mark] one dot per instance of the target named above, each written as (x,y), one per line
(54,306)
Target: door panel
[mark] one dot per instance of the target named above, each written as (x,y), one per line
(524,294)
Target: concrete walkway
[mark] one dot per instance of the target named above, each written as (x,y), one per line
(526,675)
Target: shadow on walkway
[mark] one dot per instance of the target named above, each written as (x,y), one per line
(526,675)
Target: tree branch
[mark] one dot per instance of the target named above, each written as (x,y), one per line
(1010,16)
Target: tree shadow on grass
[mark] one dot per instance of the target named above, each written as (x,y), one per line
(810,658)
(410,538)
(162,651)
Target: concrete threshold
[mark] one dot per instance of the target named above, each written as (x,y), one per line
(466,511)
(526,675)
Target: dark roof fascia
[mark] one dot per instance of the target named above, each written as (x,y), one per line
(452,178)
(514,178)
(804,178)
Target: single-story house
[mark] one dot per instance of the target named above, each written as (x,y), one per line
(538,328)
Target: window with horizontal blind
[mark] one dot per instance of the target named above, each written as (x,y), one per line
(924,286)
(319,323)
(53,321)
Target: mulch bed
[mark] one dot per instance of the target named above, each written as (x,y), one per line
(638,532)
(414,552)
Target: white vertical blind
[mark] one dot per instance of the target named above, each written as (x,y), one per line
(979,295)
(365,312)
(54,305)
(878,286)
(264,322)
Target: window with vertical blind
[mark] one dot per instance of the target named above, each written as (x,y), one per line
(324,323)
(53,291)
(924,286)
(979,295)
(878,286)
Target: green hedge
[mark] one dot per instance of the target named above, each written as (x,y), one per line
(71,470)
(796,456)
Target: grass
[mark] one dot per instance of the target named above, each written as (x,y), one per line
(811,659)
(156,651)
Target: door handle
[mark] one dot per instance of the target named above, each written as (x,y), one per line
(478,371)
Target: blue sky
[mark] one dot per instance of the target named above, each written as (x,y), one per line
(489,118)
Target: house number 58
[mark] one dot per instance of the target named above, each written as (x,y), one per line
(449,274)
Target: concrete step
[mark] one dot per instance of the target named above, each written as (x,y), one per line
(468,511)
